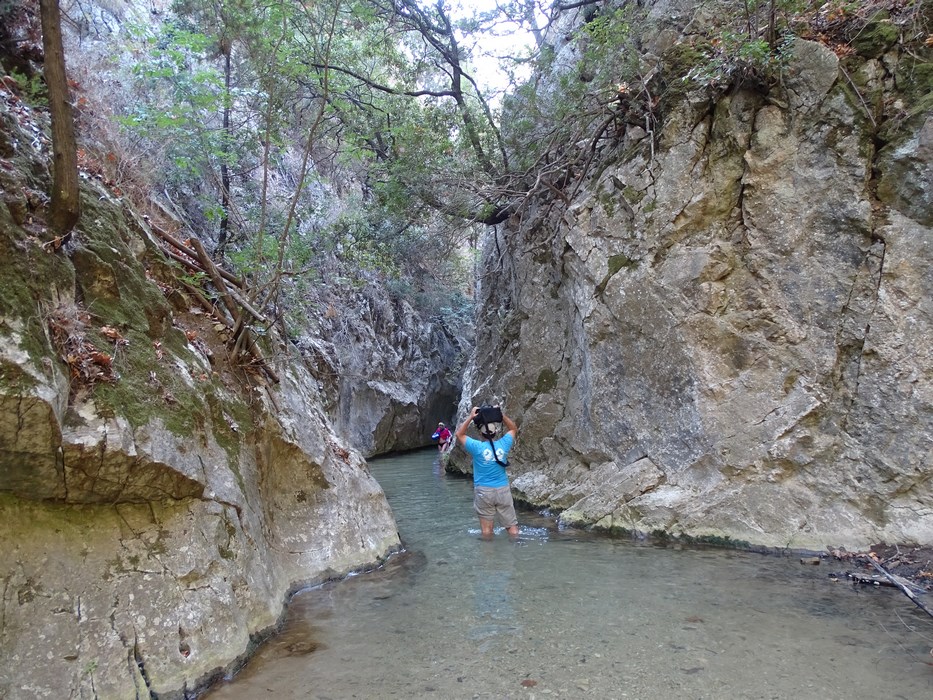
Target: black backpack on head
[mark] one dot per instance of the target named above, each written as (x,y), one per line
(488,420)
(486,415)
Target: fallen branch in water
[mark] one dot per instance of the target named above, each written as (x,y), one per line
(899,583)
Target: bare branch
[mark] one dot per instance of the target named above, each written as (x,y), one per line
(384,88)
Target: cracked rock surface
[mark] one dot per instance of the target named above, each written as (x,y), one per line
(737,321)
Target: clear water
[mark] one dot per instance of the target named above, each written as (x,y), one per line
(566,614)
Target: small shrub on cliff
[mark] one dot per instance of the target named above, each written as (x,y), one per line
(752,48)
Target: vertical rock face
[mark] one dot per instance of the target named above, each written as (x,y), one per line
(738,321)
(157,504)
(392,373)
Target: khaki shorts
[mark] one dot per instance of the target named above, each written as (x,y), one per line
(488,502)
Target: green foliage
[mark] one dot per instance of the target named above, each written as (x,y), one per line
(607,31)
(361,245)
(33,88)
(753,46)
(332,80)
(733,58)
(181,96)
(565,105)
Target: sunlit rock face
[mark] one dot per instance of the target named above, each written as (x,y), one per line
(157,503)
(727,333)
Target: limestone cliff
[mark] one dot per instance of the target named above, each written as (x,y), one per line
(727,332)
(389,372)
(158,502)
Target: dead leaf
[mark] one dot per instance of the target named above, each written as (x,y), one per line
(102,359)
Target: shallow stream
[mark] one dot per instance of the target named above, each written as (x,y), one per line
(563,613)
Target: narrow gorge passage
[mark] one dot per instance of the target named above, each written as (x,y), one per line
(562,613)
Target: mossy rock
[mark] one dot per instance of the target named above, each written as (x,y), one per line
(13,380)
(677,62)
(607,201)
(723,541)
(876,37)
(38,274)
(617,262)
(633,196)
(915,80)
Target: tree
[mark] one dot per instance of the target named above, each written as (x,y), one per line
(417,109)
(65,209)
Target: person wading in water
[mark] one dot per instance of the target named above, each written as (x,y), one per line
(492,495)
(444,438)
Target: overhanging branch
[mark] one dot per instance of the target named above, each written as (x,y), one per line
(384,88)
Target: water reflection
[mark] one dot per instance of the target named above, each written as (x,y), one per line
(561,613)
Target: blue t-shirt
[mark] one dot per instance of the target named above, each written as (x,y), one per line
(486,471)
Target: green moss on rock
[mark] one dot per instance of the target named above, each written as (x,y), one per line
(876,37)
(607,201)
(617,262)
(151,386)
(230,419)
(633,196)
(13,380)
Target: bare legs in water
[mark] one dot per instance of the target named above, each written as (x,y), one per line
(486,527)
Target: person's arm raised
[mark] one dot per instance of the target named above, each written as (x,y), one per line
(510,426)
(462,429)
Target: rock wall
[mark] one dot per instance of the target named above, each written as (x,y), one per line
(390,372)
(737,314)
(158,502)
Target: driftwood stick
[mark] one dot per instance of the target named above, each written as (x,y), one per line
(244,338)
(253,347)
(198,297)
(187,262)
(904,589)
(195,267)
(256,352)
(217,280)
(229,298)
(169,238)
(246,305)
(867,580)
(193,253)
(239,334)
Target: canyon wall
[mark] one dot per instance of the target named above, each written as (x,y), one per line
(727,332)
(159,499)
(390,372)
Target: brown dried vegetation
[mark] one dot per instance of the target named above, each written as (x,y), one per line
(69,327)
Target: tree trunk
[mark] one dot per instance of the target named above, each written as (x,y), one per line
(227,48)
(66,201)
